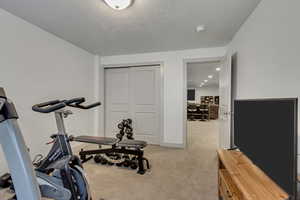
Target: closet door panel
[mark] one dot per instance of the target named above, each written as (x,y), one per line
(145,103)
(117,99)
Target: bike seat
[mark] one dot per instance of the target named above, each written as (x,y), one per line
(96,140)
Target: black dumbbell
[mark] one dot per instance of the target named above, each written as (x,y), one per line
(121,125)
(129,121)
(119,136)
(134,164)
(130,137)
(100,159)
(127,163)
(97,159)
(110,163)
(113,156)
(128,130)
(104,161)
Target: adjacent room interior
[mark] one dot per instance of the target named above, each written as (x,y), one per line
(141,100)
(203,100)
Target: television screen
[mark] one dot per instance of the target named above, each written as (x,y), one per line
(191,95)
(266,131)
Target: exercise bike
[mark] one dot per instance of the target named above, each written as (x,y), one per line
(60,161)
(60,175)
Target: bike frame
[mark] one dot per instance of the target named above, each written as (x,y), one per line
(16,154)
(61,147)
(61,156)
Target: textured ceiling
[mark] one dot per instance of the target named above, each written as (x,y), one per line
(198,72)
(149,25)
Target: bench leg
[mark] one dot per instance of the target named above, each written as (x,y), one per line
(140,158)
(83,157)
(147,163)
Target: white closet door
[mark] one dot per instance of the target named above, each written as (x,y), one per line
(145,93)
(116,99)
(134,93)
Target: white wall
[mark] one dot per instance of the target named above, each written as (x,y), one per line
(268,47)
(36,66)
(174,83)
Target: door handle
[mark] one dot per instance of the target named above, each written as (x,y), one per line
(228,113)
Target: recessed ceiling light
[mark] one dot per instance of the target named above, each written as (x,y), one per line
(218,69)
(200,28)
(205,81)
(119,4)
(210,76)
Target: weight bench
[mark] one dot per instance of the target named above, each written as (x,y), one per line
(133,144)
(129,147)
(96,140)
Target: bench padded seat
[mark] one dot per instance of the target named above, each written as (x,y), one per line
(132,143)
(96,140)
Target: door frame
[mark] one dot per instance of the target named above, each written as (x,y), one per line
(233,95)
(145,64)
(185,63)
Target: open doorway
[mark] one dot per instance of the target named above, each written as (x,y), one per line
(203,101)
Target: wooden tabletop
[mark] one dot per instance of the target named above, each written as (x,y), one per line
(253,183)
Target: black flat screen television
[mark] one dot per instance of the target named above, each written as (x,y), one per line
(191,94)
(266,131)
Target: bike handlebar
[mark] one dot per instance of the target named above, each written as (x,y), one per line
(52,106)
(78,100)
(49,106)
(86,107)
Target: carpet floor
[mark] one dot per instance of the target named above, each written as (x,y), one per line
(176,174)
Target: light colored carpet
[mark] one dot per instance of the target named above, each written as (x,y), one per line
(176,174)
